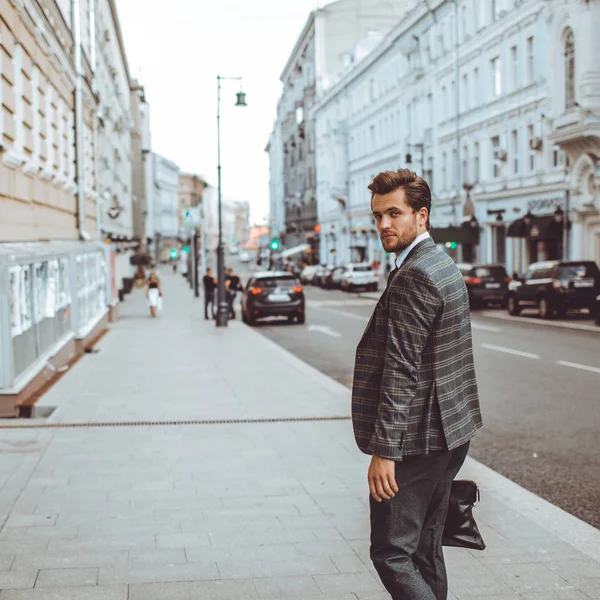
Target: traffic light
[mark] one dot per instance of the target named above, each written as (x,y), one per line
(173,252)
(274,244)
(451,245)
(186,249)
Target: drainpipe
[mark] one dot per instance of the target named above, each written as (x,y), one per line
(79,138)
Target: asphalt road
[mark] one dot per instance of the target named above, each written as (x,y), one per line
(539,389)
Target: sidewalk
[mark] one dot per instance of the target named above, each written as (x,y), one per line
(126,492)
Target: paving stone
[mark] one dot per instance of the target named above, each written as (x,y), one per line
(348,583)
(529,577)
(304,565)
(158,573)
(10,580)
(182,540)
(242,589)
(66,577)
(112,592)
(277,588)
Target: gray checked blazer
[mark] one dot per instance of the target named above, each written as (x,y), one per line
(414,389)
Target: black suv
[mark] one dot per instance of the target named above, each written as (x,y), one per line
(485,284)
(554,287)
(273,294)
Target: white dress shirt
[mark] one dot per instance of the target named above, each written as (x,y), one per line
(402,256)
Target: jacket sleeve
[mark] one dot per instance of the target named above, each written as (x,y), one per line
(413,305)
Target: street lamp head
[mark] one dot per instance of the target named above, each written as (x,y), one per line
(241,99)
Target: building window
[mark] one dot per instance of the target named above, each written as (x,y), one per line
(497,169)
(444,111)
(373,140)
(454,167)
(465,92)
(372,90)
(530,136)
(465,163)
(476,91)
(430,110)
(476,162)
(558,157)
(496,76)
(444,172)
(428,174)
(514,68)
(311,177)
(569,69)
(530,58)
(514,137)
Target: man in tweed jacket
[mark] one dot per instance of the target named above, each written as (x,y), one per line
(415,404)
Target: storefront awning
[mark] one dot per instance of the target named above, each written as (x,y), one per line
(464,234)
(540,228)
(295,250)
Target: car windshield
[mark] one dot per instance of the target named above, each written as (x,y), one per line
(577,271)
(497,273)
(362,268)
(275,282)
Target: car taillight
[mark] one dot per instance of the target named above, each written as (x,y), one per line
(256,291)
(472,280)
(560,284)
(507,280)
(297,289)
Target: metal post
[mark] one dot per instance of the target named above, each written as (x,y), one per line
(566,223)
(193,269)
(195,250)
(222,309)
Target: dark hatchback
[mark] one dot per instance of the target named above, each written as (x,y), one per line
(486,284)
(273,294)
(554,287)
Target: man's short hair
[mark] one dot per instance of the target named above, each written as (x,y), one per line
(418,194)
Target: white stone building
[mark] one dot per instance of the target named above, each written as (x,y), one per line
(323,51)
(165,201)
(274,149)
(483,106)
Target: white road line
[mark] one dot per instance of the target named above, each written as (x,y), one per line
(343,313)
(565,363)
(484,327)
(510,351)
(324,329)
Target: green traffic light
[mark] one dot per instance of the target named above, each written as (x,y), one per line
(274,244)
(173,252)
(186,249)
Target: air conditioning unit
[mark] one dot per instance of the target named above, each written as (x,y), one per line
(500,155)
(535,143)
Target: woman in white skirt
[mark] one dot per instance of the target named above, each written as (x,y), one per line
(154,293)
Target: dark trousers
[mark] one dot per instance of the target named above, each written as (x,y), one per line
(209,300)
(230,300)
(406,531)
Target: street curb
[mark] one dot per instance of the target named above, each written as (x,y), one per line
(543,323)
(570,529)
(555,520)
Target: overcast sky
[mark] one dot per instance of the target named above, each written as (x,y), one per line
(176,48)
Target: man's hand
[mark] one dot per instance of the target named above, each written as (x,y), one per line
(382,478)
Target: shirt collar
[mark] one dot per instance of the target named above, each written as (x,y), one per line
(402,256)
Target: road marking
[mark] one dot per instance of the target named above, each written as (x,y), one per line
(565,363)
(324,329)
(541,322)
(484,327)
(510,351)
(343,313)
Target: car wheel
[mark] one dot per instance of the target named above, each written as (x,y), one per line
(512,305)
(545,308)
(301,319)
(244,317)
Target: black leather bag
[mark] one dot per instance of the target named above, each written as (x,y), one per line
(460,529)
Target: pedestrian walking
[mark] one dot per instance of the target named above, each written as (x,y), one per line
(233,285)
(154,293)
(415,403)
(209,283)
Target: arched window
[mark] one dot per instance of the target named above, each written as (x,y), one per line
(569,69)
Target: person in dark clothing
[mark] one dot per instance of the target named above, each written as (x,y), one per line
(233,285)
(209,283)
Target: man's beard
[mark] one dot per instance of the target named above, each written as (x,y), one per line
(405,240)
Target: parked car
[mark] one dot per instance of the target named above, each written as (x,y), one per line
(316,278)
(554,287)
(324,274)
(307,274)
(273,294)
(334,278)
(359,275)
(244,256)
(486,284)
(597,310)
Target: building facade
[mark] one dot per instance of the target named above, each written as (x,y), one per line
(322,53)
(113,123)
(472,96)
(39,174)
(274,149)
(165,200)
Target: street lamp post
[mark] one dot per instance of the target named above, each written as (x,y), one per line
(222,308)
